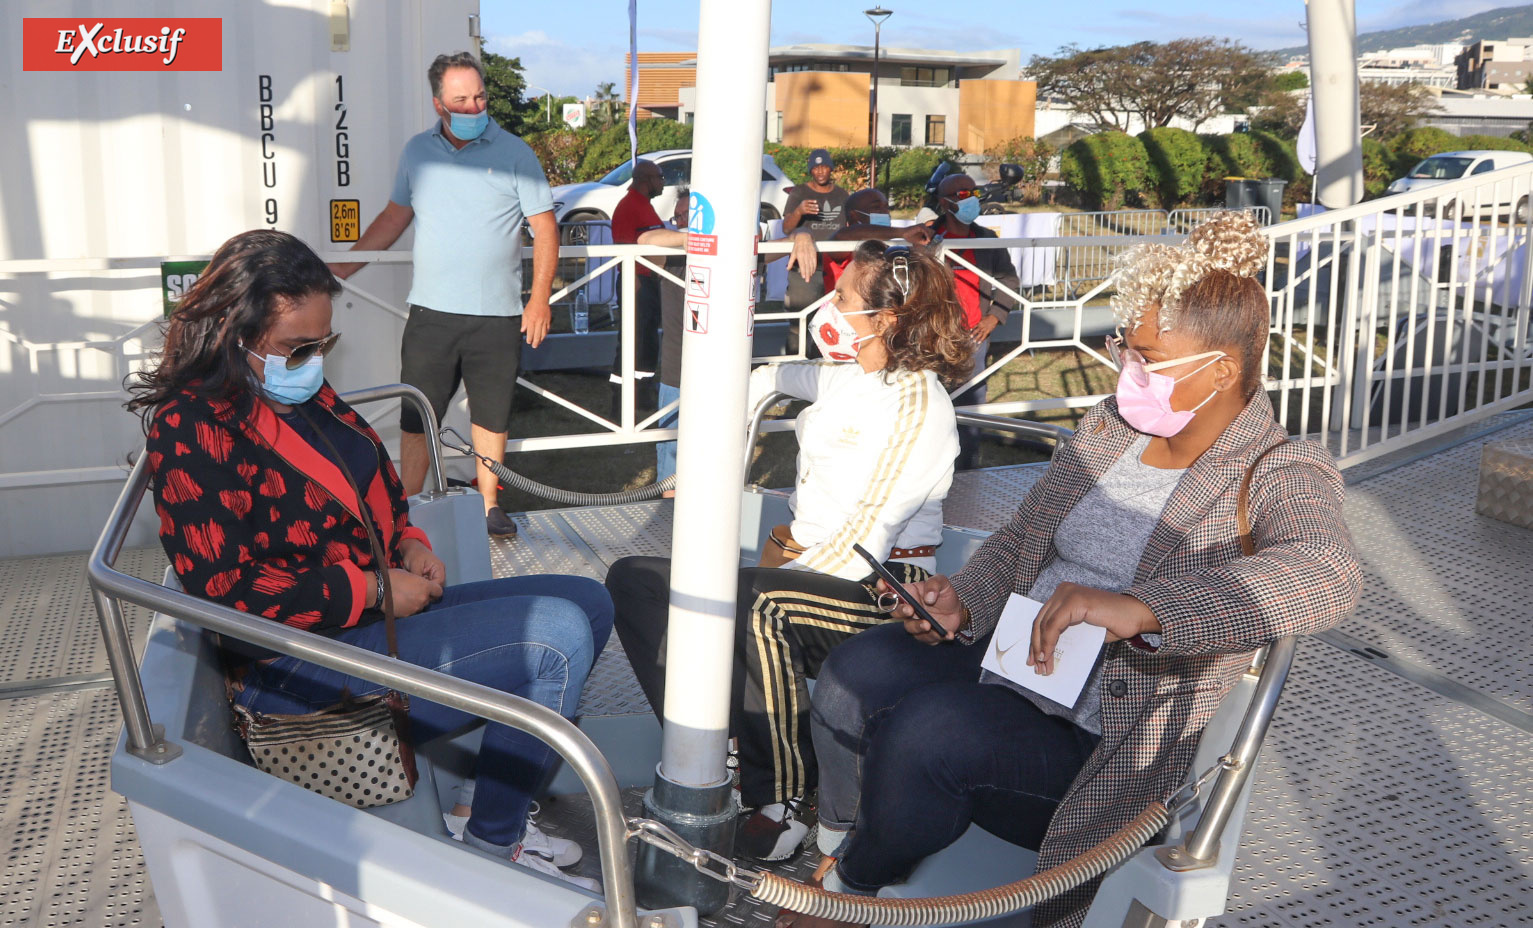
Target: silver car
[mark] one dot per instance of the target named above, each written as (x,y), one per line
(595,201)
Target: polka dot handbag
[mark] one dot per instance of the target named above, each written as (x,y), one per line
(351,751)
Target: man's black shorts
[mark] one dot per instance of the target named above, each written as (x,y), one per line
(440,350)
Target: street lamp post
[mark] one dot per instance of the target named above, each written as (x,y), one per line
(548,102)
(878,14)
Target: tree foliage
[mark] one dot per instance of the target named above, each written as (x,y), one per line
(1032,156)
(1378,173)
(1393,108)
(561,152)
(1289,81)
(610,148)
(1279,111)
(1154,81)
(606,105)
(505,85)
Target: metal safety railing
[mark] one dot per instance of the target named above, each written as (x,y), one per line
(111,588)
(1406,316)
(1390,320)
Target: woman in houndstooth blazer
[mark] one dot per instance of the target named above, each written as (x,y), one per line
(1131,528)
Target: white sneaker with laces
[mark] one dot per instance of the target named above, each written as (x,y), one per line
(772,832)
(561,851)
(543,865)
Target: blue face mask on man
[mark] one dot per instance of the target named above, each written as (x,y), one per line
(468,126)
(291,386)
(967,210)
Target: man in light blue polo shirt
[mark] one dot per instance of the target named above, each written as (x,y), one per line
(468,184)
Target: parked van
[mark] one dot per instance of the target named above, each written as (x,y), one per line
(1453,165)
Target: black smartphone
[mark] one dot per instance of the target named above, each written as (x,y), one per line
(901,592)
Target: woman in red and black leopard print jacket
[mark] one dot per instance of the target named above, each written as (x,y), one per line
(250,450)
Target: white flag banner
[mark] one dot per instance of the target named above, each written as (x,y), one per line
(1306,142)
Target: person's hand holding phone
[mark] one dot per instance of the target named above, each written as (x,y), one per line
(941,602)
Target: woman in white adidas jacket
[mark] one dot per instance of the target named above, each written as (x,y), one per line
(875,461)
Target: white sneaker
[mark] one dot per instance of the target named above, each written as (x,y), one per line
(772,832)
(542,865)
(561,851)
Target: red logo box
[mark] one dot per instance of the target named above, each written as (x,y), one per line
(139,44)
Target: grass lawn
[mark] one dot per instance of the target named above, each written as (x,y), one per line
(1052,373)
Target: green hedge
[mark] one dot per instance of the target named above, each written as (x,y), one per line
(1378,171)
(851,170)
(1412,146)
(1489,142)
(1177,160)
(1109,169)
(610,147)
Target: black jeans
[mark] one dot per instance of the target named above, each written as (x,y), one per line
(913,748)
(786,622)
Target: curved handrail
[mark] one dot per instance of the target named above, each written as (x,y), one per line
(1201,846)
(1054,433)
(438,484)
(111,588)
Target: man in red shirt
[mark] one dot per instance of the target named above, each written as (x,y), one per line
(985,305)
(634,216)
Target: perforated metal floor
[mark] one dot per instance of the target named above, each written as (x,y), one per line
(1381,801)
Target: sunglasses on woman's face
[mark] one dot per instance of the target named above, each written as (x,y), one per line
(1126,358)
(300,355)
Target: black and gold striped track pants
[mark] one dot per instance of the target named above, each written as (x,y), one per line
(786,622)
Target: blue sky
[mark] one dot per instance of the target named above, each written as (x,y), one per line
(571,46)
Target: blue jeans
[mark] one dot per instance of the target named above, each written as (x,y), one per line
(665,451)
(913,748)
(535,637)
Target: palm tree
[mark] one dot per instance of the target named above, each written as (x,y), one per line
(606,103)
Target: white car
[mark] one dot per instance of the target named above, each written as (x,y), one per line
(595,201)
(1453,165)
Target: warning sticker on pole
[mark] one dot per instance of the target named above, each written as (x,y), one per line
(697,317)
(699,281)
(702,244)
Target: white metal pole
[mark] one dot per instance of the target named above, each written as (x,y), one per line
(1333,74)
(716,347)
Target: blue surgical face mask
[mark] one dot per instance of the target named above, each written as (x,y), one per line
(291,387)
(967,210)
(878,219)
(469,126)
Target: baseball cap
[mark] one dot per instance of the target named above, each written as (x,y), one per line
(820,156)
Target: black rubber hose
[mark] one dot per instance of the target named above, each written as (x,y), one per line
(516,481)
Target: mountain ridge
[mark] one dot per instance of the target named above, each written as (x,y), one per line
(1502,23)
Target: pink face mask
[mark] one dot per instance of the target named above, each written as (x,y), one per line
(1144,398)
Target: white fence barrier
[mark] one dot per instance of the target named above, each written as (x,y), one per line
(1391,322)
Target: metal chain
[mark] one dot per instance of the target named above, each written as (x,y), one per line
(708,863)
(721,868)
(1195,788)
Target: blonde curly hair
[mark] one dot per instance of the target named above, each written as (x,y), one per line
(1151,280)
(1207,287)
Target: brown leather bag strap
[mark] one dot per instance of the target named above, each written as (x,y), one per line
(372,535)
(1243,503)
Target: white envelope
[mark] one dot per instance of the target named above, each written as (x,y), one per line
(1074,654)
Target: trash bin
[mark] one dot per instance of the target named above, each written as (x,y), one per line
(1239,193)
(1269,193)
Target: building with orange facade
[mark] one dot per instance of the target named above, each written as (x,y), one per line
(820,95)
